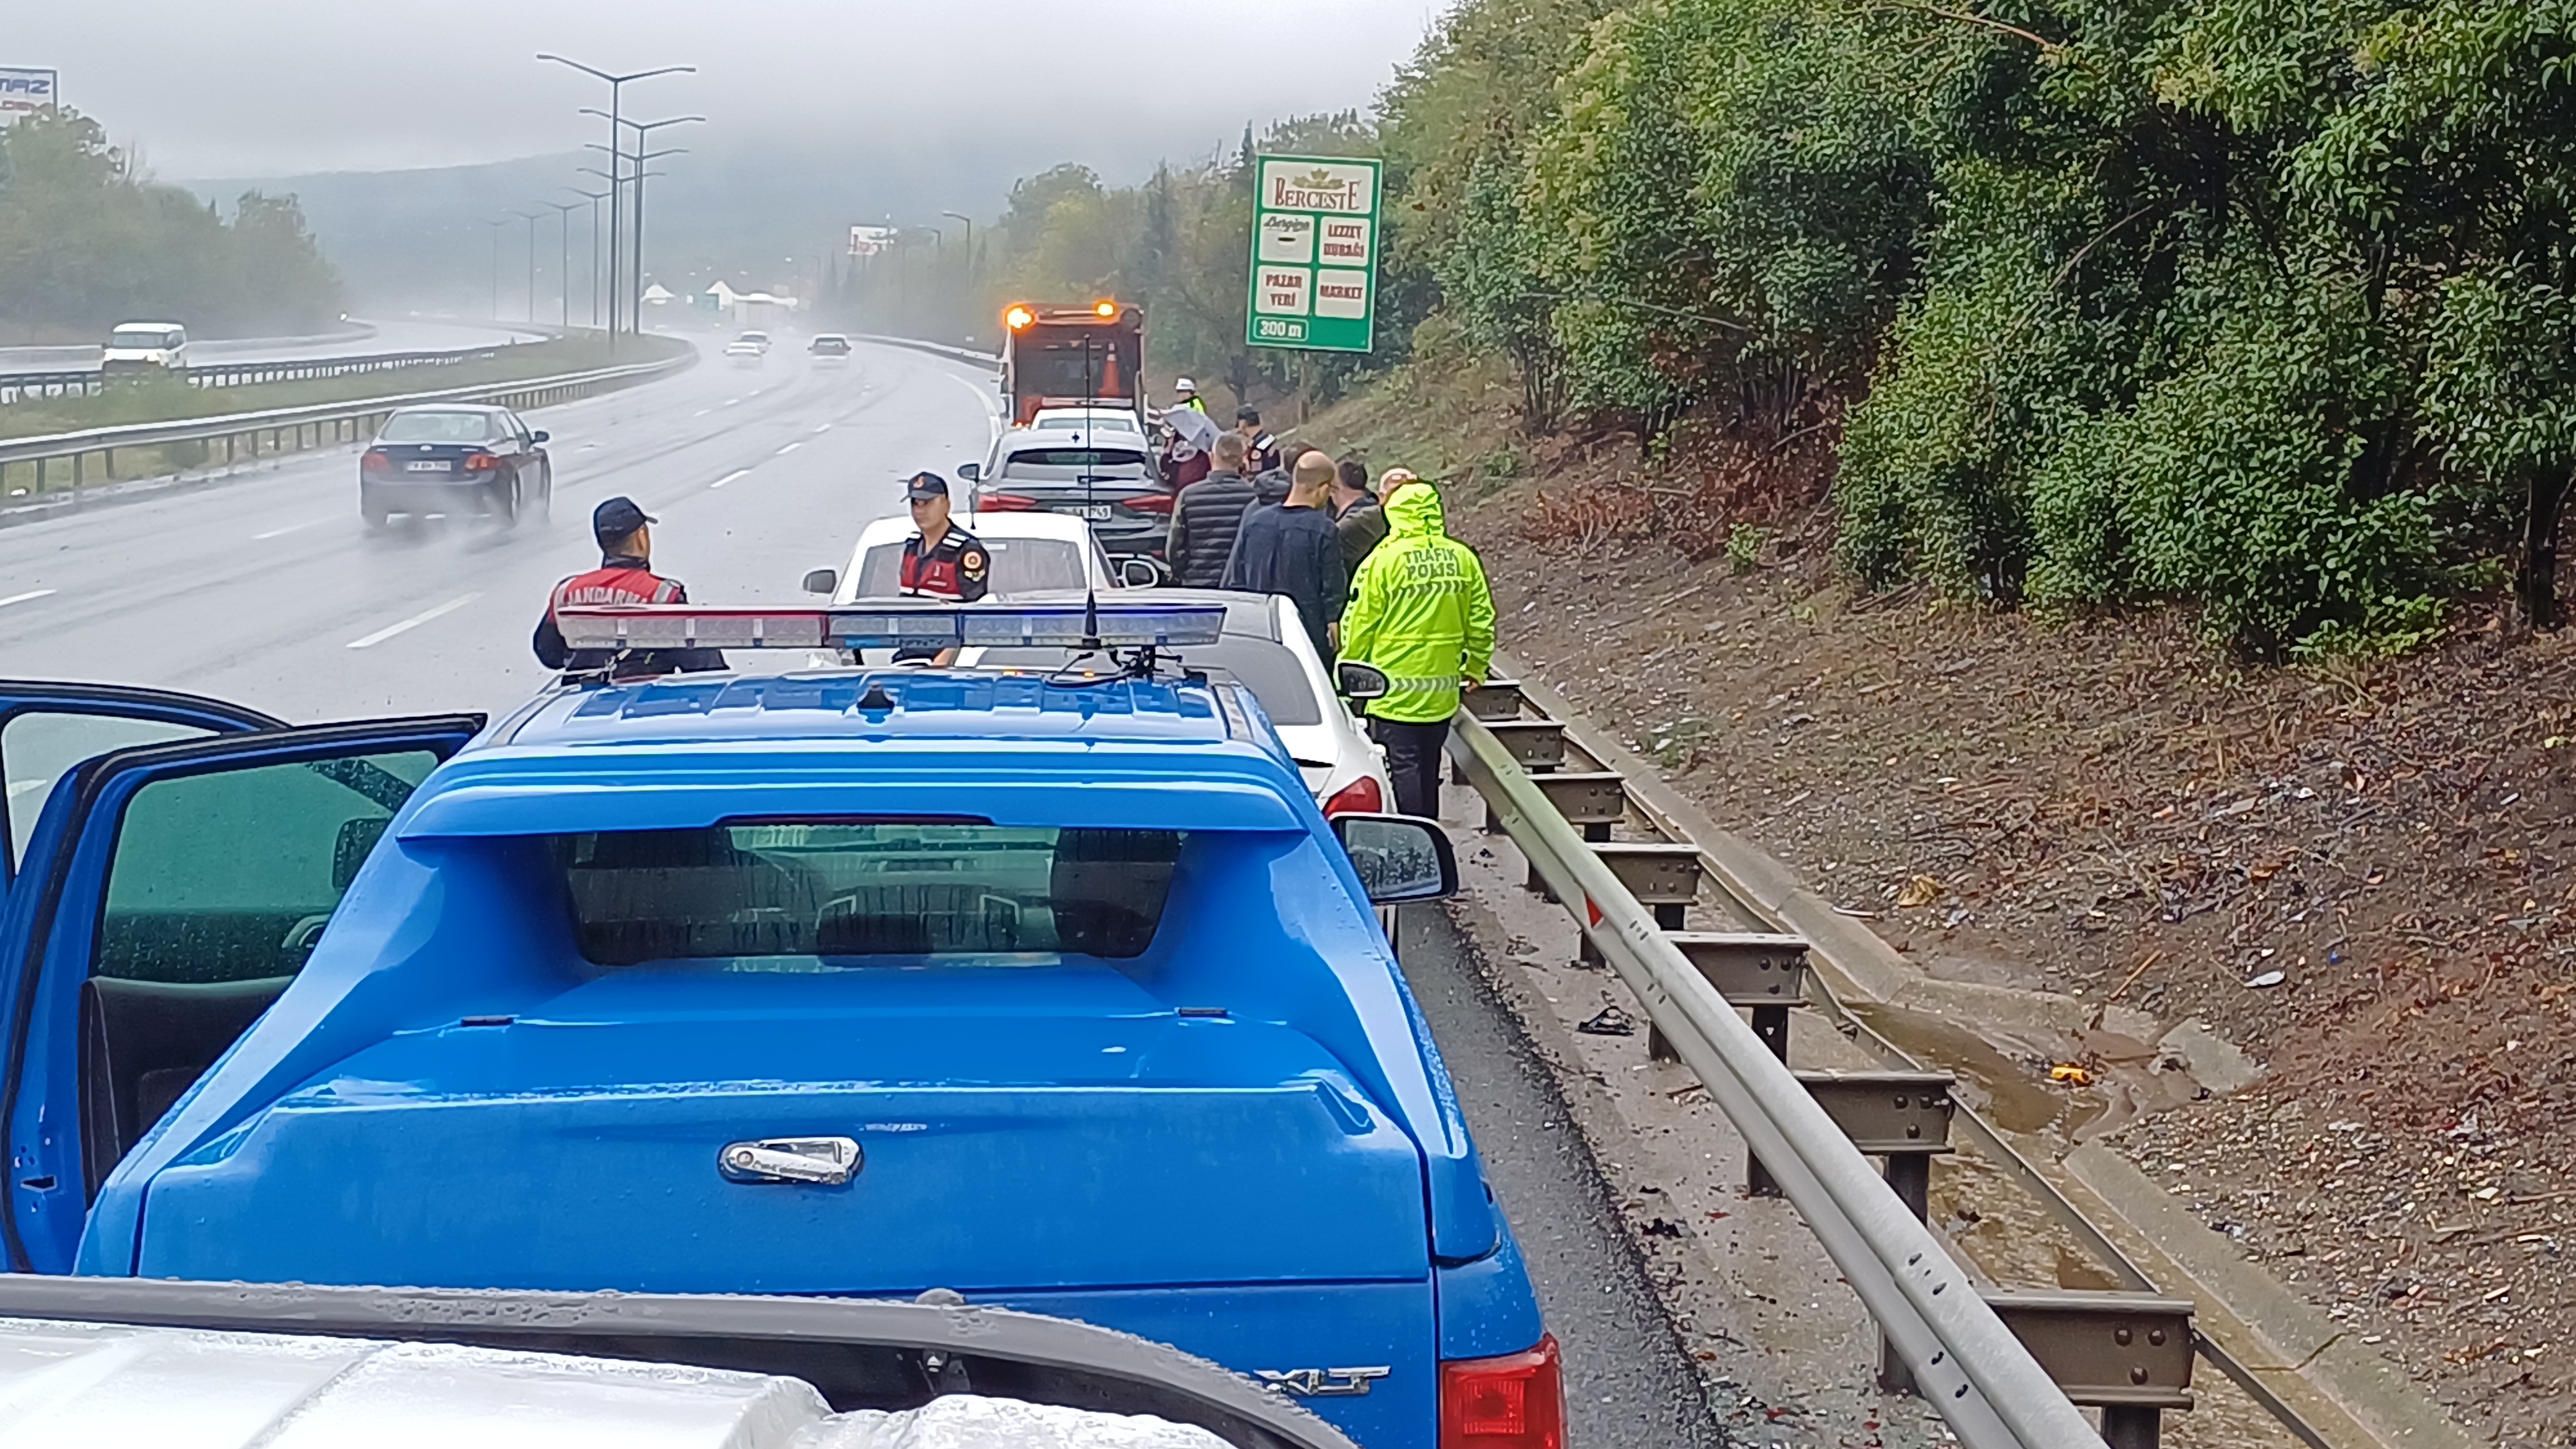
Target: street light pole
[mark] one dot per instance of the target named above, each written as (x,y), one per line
(643,135)
(596,197)
(563,211)
(530,217)
(616,102)
(496,264)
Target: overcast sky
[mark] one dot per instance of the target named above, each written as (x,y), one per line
(278,87)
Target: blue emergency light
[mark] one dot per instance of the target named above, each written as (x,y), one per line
(890,624)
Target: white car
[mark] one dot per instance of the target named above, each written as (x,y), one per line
(1032,553)
(759,340)
(147,344)
(1104,419)
(746,353)
(1265,649)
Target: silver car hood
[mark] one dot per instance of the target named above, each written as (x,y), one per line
(81,1384)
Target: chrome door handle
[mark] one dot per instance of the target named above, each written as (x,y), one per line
(824,1161)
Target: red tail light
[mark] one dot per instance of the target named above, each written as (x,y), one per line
(1005,503)
(1359,797)
(1151,503)
(374,461)
(1513,1402)
(481,463)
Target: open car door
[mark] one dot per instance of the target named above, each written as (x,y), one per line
(168,895)
(48,726)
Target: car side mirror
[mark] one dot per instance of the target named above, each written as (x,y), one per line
(1360,681)
(357,841)
(971,472)
(822,581)
(540,436)
(1139,573)
(1400,858)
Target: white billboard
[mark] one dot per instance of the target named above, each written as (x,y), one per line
(25,92)
(869,241)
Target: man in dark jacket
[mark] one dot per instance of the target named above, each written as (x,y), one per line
(1207,517)
(1356,514)
(624,576)
(1292,549)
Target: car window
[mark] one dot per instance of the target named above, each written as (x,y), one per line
(437,427)
(813,895)
(39,747)
(188,899)
(1020,565)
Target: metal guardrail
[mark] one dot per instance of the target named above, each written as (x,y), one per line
(242,433)
(93,381)
(938,349)
(1961,1357)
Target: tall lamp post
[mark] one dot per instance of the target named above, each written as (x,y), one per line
(496,225)
(616,101)
(530,217)
(643,135)
(596,197)
(563,211)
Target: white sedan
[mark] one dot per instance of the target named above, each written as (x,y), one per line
(1032,553)
(1266,650)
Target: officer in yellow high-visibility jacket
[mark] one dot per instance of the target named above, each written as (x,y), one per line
(1421,612)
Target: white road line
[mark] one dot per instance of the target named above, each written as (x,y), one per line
(283,532)
(729,477)
(22,598)
(414,622)
(818,432)
(790,448)
(702,412)
(733,402)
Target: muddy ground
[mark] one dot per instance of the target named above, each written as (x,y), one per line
(2359,873)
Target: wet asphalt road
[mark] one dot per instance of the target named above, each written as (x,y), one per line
(1628,1384)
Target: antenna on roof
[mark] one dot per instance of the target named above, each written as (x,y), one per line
(1090,473)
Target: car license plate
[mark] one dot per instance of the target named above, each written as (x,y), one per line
(1094,512)
(425,467)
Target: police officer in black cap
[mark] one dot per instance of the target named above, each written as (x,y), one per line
(940,560)
(624,576)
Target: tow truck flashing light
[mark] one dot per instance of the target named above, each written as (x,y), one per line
(894,624)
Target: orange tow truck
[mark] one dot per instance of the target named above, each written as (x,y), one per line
(1065,356)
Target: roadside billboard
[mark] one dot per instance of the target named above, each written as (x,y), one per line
(24,92)
(1314,254)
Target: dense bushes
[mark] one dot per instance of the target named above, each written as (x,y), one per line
(2266,310)
(85,244)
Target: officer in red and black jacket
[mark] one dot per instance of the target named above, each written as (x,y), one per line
(940,560)
(624,576)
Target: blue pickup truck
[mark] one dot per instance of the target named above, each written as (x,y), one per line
(1061,995)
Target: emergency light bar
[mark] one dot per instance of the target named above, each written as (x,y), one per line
(889,624)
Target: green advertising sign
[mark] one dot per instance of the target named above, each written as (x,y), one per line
(1314,254)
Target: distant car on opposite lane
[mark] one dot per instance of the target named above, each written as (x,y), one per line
(134,346)
(745,354)
(756,339)
(453,458)
(829,347)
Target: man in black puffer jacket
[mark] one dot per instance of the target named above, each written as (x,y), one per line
(1208,516)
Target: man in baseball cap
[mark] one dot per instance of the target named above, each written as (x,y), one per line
(624,576)
(940,560)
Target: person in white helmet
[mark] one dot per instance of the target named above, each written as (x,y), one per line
(1189,394)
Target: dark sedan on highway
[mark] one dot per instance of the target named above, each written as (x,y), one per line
(454,459)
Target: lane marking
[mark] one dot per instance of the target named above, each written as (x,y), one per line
(702,412)
(415,621)
(23,598)
(729,477)
(733,402)
(283,532)
(818,432)
(790,448)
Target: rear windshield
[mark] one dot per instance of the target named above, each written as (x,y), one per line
(436,428)
(830,344)
(801,895)
(142,337)
(1019,566)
